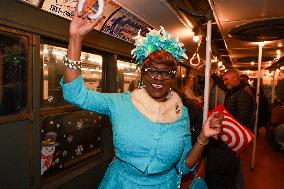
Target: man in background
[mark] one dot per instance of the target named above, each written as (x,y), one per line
(240,103)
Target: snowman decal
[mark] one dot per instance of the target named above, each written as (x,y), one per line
(47,151)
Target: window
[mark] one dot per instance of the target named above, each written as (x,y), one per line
(181,75)
(128,76)
(52,67)
(13,73)
(68,139)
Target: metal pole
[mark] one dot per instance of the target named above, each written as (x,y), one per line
(273,87)
(257,103)
(207,70)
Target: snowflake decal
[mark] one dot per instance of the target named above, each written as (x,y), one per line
(64,153)
(80,124)
(79,150)
(50,98)
(70,138)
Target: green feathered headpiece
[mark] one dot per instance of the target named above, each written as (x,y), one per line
(157,40)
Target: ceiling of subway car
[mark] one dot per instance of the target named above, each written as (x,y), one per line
(167,14)
(251,22)
(237,26)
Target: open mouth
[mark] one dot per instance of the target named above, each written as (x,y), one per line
(157,86)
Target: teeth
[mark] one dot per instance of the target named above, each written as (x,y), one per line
(157,86)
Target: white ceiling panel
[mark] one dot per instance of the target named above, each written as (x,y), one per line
(241,10)
(230,14)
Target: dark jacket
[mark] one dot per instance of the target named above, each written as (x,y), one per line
(221,165)
(239,102)
(195,112)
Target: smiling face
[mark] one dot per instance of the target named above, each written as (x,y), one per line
(157,73)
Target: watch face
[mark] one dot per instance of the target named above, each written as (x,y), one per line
(32,2)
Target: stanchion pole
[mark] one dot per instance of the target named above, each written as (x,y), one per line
(273,87)
(260,45)
(207,70)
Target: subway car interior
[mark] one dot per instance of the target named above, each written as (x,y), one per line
(48,143)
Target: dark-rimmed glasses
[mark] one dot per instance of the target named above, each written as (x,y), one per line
(154,73)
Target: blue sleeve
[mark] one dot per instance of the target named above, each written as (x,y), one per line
(77,94)
(181,166)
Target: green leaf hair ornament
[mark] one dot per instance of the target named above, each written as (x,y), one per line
(157,40)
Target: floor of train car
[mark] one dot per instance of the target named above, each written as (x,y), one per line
(268,170)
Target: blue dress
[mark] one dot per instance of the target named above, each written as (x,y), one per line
(147,154)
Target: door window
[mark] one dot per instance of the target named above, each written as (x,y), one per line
(13,73)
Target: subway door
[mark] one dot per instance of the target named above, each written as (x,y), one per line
(16,113)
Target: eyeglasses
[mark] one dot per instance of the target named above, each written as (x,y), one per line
(154,73)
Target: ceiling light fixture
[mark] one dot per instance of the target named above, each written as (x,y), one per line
(278,54)
(196,38)
(261,44)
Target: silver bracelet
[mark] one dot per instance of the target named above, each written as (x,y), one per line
(76,65)
(200,142)
(67,60)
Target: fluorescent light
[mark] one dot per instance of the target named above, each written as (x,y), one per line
(58,53)
(132,74)
(196,38)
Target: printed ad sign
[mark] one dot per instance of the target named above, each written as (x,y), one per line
(124,25)
(32,2)
(116,21)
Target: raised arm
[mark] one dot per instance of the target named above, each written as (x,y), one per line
(74,90)
(219,82)
(80,26)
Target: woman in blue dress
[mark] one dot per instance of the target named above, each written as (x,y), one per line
(151,133)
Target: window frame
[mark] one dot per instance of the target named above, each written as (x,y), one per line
(26,113)
(61,44)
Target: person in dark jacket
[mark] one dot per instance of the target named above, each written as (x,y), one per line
(238,100)
(223,166)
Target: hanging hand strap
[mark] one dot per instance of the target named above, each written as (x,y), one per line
(92,16)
